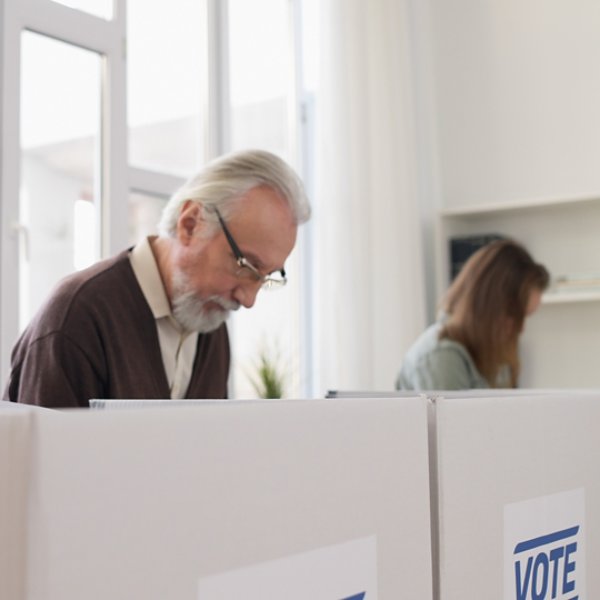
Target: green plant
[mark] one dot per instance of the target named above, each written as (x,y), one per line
(269,377)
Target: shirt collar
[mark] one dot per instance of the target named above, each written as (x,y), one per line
(146,272)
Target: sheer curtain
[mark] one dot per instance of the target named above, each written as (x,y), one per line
(369,263)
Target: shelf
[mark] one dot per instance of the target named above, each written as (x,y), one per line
(517,206)
(568,297)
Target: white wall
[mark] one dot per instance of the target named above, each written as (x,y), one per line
(517,97)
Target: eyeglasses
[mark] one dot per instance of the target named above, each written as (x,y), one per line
(246,269)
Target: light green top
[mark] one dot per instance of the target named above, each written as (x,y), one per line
(434,364)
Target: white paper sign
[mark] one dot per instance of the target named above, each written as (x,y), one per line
(346,571)
(544,548)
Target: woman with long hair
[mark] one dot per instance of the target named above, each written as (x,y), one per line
(475,342)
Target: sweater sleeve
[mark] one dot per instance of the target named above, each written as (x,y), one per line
(445,368)
(54,372)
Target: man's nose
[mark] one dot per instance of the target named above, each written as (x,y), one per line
(245,294)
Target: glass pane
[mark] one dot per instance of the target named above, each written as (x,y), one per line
(310,45)
(261,74)
(99,8)
(60,158)
(144,214)
(165,50)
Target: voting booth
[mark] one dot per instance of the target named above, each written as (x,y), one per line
(319,499)
(454,496)
(517,486)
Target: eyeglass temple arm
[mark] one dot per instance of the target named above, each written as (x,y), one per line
(234,246)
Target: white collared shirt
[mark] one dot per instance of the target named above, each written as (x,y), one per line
(178,347)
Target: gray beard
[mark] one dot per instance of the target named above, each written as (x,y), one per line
(191,312)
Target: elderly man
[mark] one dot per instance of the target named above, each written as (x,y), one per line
(150,322)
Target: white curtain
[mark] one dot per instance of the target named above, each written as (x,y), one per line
(369,263)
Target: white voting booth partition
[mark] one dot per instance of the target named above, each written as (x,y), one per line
(286,500)
(15,435)
(518,495)
(515,489)
(306,499)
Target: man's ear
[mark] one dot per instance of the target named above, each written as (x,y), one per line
(189,221)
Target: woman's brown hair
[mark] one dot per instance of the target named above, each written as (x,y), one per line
(486,305)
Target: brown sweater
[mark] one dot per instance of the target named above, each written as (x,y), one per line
(95,337)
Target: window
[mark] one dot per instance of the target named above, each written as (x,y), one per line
(166,61)
(60,148)
(144,213)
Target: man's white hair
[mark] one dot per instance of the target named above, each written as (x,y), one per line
(223,183)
